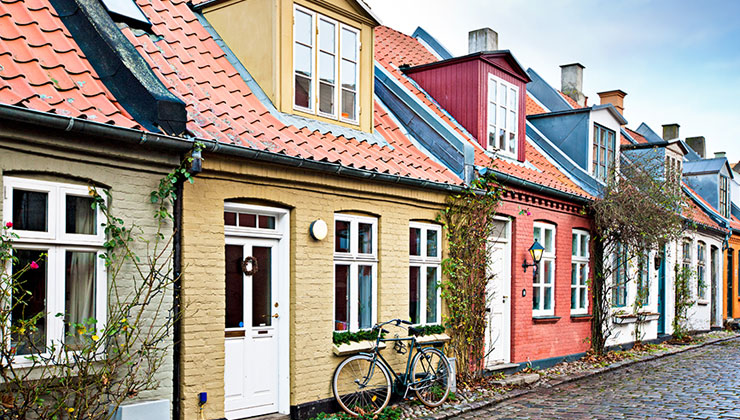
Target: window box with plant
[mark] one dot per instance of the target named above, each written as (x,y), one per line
(346,342)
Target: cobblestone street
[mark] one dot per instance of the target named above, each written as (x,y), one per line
(699,384)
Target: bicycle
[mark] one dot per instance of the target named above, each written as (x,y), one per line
(362,382)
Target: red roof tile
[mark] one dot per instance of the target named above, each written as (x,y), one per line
(570,101)
(697,214)
(221,106)
(43,68)
(635,135)
(532,107)
(393,49)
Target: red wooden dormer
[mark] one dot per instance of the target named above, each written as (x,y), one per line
(484,91)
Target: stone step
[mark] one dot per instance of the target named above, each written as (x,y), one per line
(518,380)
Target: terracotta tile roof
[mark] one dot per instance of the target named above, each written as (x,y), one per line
(393,49)
(697,214)
(532,107)
(570,101)
(635,135)
(734,222)
(43,68)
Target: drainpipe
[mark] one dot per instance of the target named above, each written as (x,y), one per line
(195,169)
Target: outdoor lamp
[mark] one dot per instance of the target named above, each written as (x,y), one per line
(535,251)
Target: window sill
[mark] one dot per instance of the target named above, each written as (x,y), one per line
(648,316)
(702,302)
(544,319)
(581,317)
(624,319)
(434,338)
(355,347)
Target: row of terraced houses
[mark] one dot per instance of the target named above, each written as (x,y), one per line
(313,114)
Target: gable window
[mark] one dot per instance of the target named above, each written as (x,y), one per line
(724,196)
(604,146)
(701,270)
(424,273)
(673,169)
(355,272)
(503,115)
(325,60)
(643,281)
(579,272)
(686,255)
(619,278)
(60,232)
(543,298)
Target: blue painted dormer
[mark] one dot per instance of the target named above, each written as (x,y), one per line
(589,135)
(711,179)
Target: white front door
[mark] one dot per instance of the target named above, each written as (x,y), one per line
(498,328)
(253,321)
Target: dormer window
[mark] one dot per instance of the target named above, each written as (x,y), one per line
(724,196)
(604,146)
(325,53)
(503,115)
(673,170)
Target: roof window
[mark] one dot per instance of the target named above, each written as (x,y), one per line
(128,11)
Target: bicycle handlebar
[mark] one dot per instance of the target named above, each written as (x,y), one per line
(398,322)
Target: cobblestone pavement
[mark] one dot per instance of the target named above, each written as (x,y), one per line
(699,384)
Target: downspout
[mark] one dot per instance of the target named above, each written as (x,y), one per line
(194,169)
(176,302)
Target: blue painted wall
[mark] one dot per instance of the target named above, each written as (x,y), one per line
(568,132)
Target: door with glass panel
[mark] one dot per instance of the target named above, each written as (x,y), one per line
(498,306)
(252,323)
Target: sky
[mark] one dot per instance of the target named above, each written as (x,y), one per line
(678,61)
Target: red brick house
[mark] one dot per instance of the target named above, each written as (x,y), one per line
(481,99)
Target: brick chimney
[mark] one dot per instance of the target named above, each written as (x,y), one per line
(571,81)
(670,131)
(614,97)
(698,144)
(484,39)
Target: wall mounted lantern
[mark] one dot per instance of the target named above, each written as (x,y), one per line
(535,251)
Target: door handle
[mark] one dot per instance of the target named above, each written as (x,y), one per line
(276,316)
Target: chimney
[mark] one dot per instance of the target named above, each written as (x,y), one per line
(614,97)
(720,154)
(670,131)
(698,144)
(484,39)
(571,80)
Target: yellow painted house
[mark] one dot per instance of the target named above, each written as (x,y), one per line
(309,206)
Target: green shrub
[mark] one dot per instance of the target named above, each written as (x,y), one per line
(390,413)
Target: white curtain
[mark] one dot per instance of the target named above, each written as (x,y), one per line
(81,272)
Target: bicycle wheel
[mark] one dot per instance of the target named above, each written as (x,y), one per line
(431,373)
(361,386)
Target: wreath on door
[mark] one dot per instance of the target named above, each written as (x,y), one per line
(249,266)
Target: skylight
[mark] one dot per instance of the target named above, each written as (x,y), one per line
(128,10)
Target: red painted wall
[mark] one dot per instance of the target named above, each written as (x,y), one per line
(534,340)
(462,89)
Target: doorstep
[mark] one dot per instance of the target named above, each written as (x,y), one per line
(501,366)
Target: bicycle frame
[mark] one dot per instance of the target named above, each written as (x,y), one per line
(400,381)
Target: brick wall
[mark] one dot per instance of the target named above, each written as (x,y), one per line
(530,339)
(130,173)
(308,196)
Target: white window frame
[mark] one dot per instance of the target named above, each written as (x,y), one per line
(354,260)
(315,67)
(547,256)
(337,59)
(493,105)
(609,164)
(423,261)
(357,33)
(56,242)
(701,271)
(580,261)
(725,202)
